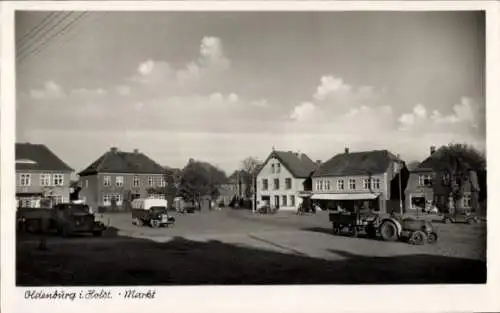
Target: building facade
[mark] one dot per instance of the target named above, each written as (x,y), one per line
(42,178)
(430,184)
(368,179)
(117,177)
(281,178)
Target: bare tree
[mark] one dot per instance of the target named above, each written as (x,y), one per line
(250,167)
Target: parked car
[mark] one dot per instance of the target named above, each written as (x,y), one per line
(462,217)
(64,218)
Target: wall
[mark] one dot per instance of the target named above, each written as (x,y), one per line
(266,173)
(95,190)
(413,189)
(35,184)
(383,190)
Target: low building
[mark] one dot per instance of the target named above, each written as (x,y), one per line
(369,179)
(280,180)
(40,175)
(430,185)
(118,176)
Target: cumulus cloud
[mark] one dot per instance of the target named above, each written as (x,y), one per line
(330,85)
(465,114)
(50,90)
(303,111)
(211,62)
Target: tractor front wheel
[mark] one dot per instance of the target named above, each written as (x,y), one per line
(389,231)
(418,238)
(432,238)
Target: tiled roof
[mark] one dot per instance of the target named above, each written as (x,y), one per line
(299,164)
(115,161)
(38,157)
(357,163)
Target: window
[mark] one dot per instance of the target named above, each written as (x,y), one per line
(264,184)
(162,182)
(352,184)
(424,179)
(327,185)
(292,200)
(276,184)
(106,199)
(320,185)
(58,199)
(317,185)
(86,183)
(467,200)
(119,198)
(106,181)
(366,183)
(58,180)
(25,180)
(340,184)
(136,182)
(151,181)
(288,183)
(272,168)
(446,179)
(44,179)
(119,181)
(278,168)
(376,183)
(284,200)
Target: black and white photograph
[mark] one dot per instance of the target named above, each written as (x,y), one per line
(201,148)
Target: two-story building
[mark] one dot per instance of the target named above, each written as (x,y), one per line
(118,175)
(281,179)
(40,175)
(431,183)
(368,179)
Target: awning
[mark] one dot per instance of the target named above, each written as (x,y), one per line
(345,196)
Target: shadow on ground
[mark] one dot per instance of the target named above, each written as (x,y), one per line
(129,261)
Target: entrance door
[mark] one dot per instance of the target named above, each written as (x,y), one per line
(277,201)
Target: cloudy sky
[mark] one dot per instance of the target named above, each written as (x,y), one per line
(222,86)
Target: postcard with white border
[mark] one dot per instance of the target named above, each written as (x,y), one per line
(283,156)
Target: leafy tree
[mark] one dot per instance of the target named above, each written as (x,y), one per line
(200,179)
(459,164)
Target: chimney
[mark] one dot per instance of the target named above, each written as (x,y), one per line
(346,150)
(433,149)
(114,149)
(136,151)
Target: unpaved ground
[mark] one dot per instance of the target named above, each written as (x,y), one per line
(234,247)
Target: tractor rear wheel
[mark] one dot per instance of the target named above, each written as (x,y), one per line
(389,231)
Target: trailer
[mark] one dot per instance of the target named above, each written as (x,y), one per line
(64,218)
(151,212)
(388,226)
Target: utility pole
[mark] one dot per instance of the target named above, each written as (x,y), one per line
(400,163)
(254,183)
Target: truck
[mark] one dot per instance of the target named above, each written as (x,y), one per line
(64,218)
(151,212)
(389,227)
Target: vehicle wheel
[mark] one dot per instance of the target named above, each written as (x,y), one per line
(470,221)
(389,231)
(97,233)
(432,238)
(371,232)
(335,229)
(155,224)
(63,232)
(139,222)
(418,237)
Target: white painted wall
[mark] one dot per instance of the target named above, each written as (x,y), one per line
(267,173)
